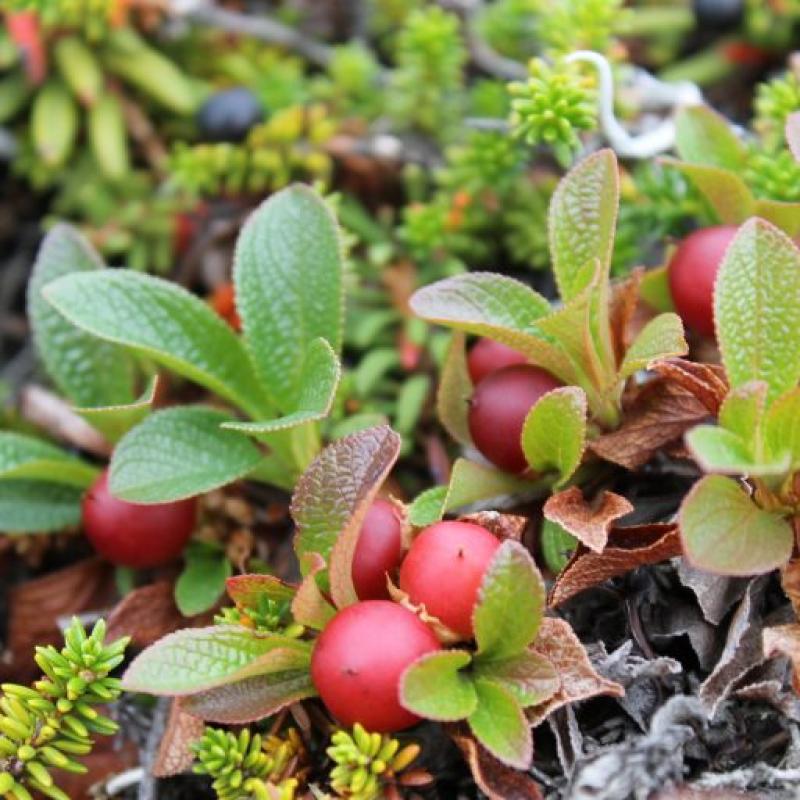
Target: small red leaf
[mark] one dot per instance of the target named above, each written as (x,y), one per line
(245,590)
(174,753)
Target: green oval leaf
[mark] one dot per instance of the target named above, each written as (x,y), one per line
(179,452)
(661,337)
(115,421)
(434,687)
(202,582)
(23,456)
(499,724)
(530,677)
(702,136)
(31,506)
(725,532)
(455,390)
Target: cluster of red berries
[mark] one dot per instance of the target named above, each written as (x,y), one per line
(360,657)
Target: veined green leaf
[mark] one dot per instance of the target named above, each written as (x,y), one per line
(115,421)
(289,290)
(179,452)
(725,532)
(434,686)
(554,433)
(757,308)
(661,337)
(23,456)
(89,371)
(202,582)
(499,724)
(782,429)
(161,320)
(31,506)
(455,390)
(721,450)
(530,677)
(702,136)
(583,216)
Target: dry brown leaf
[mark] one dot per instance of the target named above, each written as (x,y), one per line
(784,640)
(579,679)
(495,779)
(660,413)
(622,308)
(706,382)
(36,605)
(148,613)
(174,753)
(503,526)
(628,548)
(790,582)
(588,522)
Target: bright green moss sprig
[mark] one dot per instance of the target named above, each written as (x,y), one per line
(51,723)
(271,616)
(249,766)
(90,17)
(775,101)
(568,25)
(365,762)
(552,107)
(773,175)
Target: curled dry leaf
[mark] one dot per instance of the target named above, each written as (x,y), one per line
(707,382)
(174,753)
(495,779)
(659,413)
(589,522)
(503,526)
(716,594)
(558,643)
(148,613)
(622,309)
(310,607)
(784,640)
(627,549)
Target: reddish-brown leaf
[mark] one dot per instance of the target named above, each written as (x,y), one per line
(784,640)
(496,780)
(309,606)
(706,382)
(628,548)
(790,582)
(624,300)
(147,614)
(503,526)
(588,522)
(245,590)
(579,681)
(36,605)
(174,753)
(660,413)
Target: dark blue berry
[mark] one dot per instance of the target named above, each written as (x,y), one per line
(228,116)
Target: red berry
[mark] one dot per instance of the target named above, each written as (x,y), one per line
(133,535)
(692,272)
(377,551)
(487,356)
(444,568)
(498,408)
(359,658)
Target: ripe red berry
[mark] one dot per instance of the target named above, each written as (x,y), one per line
(358,660)
(498,408)
(487,356)
(444,568)
(692,271)
(377,551)
(133,535)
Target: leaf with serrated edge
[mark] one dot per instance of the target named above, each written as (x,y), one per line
(742,412)
(510,603)
(179,452)
(497,307)
(32,506)
(252,699)
(333,496)
(554,433)
(247,590)
(115,421)
(757,308)
(317,389)
(725,532)
(310,607)
(163,321)
(702,136)
(434,686)
(499,724)
(722,451)
(23,456)
(202,582)
(725,191)
(662,337)
(455,390)
(197,659)
(530,677)
(86,369)
(589,522)
(583,215)
(289,289)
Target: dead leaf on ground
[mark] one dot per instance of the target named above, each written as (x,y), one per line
(784,640)
(716,594)
(504,526)
(36,605)
(579,679)
(495,779)
(174,753)
(588,521)
(660,413)
(627,549)
(707,382)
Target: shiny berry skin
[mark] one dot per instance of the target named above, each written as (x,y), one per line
(444,568)
(228,115)
(377,552)
(487,356)
(497,412)
(358,660)
(133,535)
(692,271)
